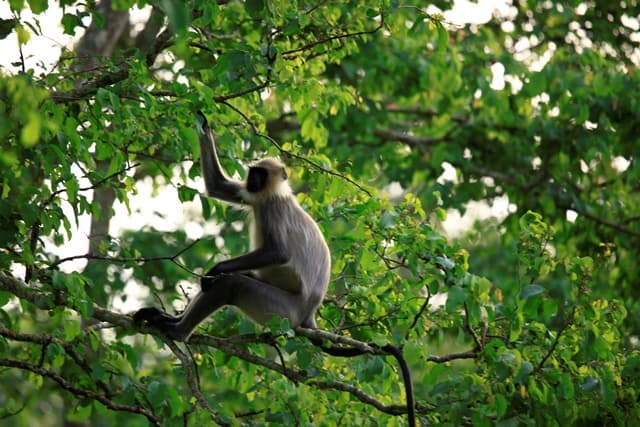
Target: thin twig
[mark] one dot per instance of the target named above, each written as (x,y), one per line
(89,394)
(193,381)
(470,328)
(232,346)
(290,53)
(257,132)
(171,258)
(418,315)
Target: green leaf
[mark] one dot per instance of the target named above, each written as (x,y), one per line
(30,134)
(254,7)
(206,204)
(71,329)
(79,413)
(178,15)
(16,5)
(501,405)
(130,354)
(456,296)
(370,369)
(6,27)
(156,393)
(73,186)
(123,4)
(443,37)
(70,22)
(186,194)
(5,297)
(304,358)
(388,219)
(175,402)
(537,83)
(38,6)
(517,323)
(23,35)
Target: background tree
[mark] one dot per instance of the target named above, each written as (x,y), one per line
(521,320)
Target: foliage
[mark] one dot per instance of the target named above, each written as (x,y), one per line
(523,320)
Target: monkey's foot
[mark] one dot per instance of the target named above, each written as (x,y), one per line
(154,317)
(161,321)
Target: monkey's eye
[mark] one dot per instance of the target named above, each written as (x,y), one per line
(284,175)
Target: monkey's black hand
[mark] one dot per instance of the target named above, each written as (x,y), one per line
(206,283)
(209,278)
(218,269)
(153,317)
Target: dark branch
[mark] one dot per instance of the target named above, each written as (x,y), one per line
(66,385)
(290,53)
(607,223)
(232,346)
(90,88)
(257,132)
(171,258)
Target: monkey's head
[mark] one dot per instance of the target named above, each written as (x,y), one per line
(268,177)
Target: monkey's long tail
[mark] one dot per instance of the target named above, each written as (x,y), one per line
(391,350)
(408,384)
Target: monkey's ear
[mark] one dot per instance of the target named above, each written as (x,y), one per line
(284,175)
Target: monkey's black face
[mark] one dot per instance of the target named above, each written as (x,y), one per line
(257,179)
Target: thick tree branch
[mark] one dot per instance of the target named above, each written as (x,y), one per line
(232,346)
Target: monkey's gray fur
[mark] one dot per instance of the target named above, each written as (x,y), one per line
(285,273)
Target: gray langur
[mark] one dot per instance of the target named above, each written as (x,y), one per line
(285,273)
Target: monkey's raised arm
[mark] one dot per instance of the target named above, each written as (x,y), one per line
(218,184)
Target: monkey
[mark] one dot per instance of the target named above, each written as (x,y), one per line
(286,272)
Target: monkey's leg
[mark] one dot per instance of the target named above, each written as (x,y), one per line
(210,279)
(256,299)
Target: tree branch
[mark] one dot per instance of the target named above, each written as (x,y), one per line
(66,385)
(299,376)
(44,340)
(90,88)
(605,222)
(290,53)
(192,381)
(257,132)
(232,346)
(171,258)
